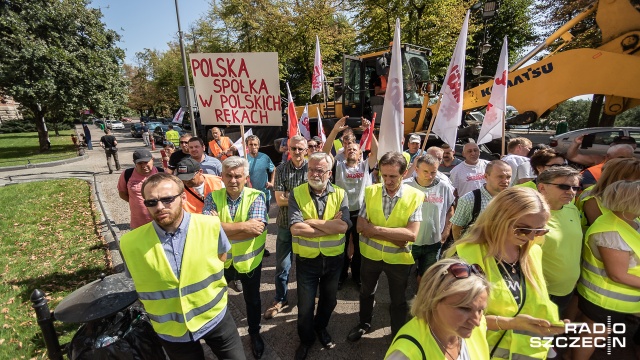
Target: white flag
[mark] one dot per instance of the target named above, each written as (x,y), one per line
(493,125)
(321,133)
(392,119)
(239,145)
(318,73)
(303,123)
(449,114)
(177,118)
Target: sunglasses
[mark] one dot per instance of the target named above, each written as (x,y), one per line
(184,142)
(165,200)
(527,231)
(297,149)
(463,271)
(566,187)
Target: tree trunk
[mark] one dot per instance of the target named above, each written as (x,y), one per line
(55,128)
(43,133)
(596,108)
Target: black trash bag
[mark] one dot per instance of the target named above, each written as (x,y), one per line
(127,335)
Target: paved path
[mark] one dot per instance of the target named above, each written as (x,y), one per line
(280,333)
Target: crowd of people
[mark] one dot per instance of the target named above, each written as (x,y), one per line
(498,260)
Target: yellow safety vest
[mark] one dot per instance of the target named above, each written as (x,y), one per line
(176,306)
(515,343)
(330,245)
(173,136)
(530,184)
(381,250)
(594,284)
(245,255)
(419,330)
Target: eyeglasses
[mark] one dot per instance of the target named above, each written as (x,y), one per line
(297,149)
(318,172)
(553,165)
(165,200)
(313,146)
(527,231)
(184,142)
(566,187)
(463,271)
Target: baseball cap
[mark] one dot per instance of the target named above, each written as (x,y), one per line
(414,139)
(187,168)
(623,140)
(142,155)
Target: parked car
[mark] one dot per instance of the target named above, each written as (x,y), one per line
(114,124)
(152,125)
(136,130)
(160,131)
(97,122)
(125,119)
(596,141)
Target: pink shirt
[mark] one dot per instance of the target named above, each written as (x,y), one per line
(139,213)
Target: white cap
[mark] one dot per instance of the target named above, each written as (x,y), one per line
(414,139)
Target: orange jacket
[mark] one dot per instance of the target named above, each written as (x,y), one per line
(215,150)
(195,204)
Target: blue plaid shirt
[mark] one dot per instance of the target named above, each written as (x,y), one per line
(257,210)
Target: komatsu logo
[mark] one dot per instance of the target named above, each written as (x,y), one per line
(531,73)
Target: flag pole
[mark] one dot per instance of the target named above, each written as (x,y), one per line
(244,142)
(503,133)
(424,143)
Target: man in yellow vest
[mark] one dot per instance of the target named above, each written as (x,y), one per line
(319,218)
(178,270)
(197,185)
(385,241)
(243,216)
(172,136)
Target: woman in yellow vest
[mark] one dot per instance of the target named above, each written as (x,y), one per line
(609,286)
(448,312)
(614,170)
(501,242)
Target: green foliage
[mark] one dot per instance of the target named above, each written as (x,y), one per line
(556,13)
(17,126)
(630,117)
(576,112)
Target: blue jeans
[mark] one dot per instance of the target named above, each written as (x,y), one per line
(323,271)
(284,256)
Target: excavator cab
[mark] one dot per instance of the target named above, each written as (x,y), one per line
(361,71)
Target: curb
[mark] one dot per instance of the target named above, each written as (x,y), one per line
(45,164)
(109,231)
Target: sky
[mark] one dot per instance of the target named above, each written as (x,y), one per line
(148,23)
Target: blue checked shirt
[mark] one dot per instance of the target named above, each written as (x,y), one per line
(257,210)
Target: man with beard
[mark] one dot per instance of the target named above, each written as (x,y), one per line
(319,218)
(179,155)
(353,175)
(469,175)
(197,184)
(208,164)
(449,161)
(243,215)
(169,258)
(130,187)
(385,241)
(498,178)
(289,175)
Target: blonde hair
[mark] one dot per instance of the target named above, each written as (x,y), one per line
(622,196)
(495,224)
(436,285)
(615,170)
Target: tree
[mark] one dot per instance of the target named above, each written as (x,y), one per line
(57,58)
(556,13)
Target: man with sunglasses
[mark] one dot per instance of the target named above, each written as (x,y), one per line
(130,189)
(319,218)
(289,175)
(169,258)
(208,164)
(243,215)
(179,155)
(385,241)
(197,184)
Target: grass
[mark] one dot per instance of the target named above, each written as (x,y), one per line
(49,242)
(21,148)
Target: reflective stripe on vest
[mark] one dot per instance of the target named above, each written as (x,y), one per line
(514,344)
(381,250)
(419,330)
(329,245)
(594,284)
(245,255)
(176,306)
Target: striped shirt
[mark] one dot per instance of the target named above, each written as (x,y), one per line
(288,177)
(464,209)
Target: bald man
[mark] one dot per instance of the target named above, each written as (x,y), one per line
(469,175)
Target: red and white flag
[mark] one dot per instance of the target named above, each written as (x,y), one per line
(493,124)
(449,115)
(392,119)
(292,118)
(318,73)
(365,140)
(177,118)
(303,123)
(321,133)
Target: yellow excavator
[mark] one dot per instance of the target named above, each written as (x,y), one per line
(611,69)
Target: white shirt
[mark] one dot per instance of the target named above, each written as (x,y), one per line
(353,181)
(514,161)
(466,178)
(525,171)
(437,202)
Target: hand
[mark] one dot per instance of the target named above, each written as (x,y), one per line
(578,140)
(340,125)
(269,185)
(214,213)
(254,226)
(443,237)
(285,195)
(541,327)
(337,216)
(365,124)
